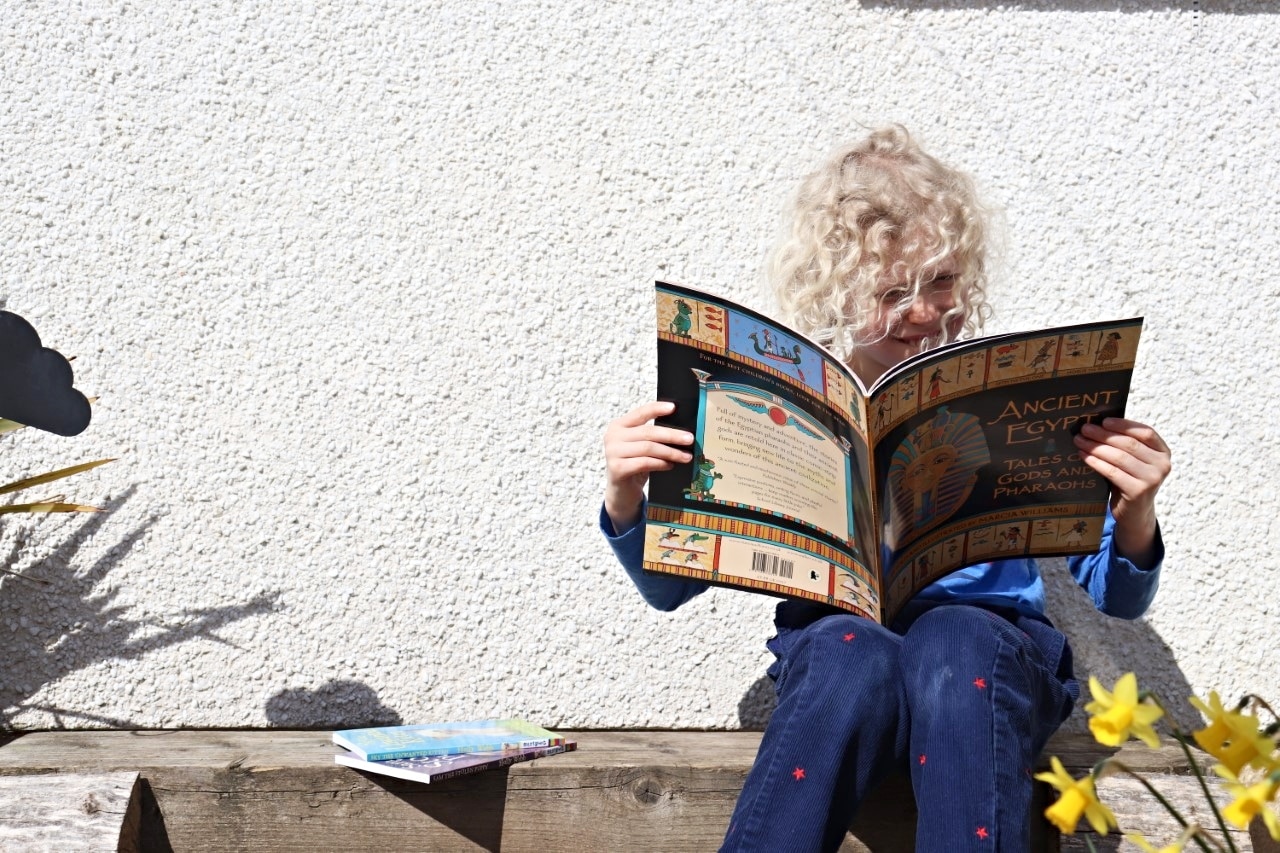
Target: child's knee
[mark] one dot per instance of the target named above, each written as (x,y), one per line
(956,631)
(954,641)
(846,653)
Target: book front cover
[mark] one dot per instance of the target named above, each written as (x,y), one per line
(444,738)
(974,454)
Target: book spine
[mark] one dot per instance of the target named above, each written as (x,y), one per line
(504,761)
(532,743)
(407,753)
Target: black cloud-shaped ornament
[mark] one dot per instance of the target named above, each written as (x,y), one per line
(36,382)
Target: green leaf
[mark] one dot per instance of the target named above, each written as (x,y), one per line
(39,479)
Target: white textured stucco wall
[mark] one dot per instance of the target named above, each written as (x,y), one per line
(360,284)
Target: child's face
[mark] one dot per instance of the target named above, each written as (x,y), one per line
(899,332)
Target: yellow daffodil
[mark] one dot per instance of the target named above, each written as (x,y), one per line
(1075,798)
(1114,716)
(1218,732)
(1231,737)
(1250,800)
(1250,748)
(1176,847)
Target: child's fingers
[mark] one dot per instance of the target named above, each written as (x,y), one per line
(1136,461)
(637,425)
(1132,431)
(649,450)
(625,468)
(635,441)
(643,414)
(622,439)
(1141,462)
(1116,439)
(1134,468)
(630,457)
(654,433)
(1131,479)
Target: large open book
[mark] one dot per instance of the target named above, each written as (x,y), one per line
(804,483)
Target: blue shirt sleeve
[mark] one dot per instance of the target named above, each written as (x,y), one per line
(1117,587)
(665,592)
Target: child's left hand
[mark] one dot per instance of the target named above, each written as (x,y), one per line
(1136,461)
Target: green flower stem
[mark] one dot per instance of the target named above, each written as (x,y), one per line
(1182,737)
(1204,786)
(1259,701)
(1199,837)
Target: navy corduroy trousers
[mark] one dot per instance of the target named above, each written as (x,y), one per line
(965,698)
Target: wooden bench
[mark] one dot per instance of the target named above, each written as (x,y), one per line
(70,811)
(279,790)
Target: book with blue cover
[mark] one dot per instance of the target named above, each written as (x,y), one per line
(382,743)
(437,768)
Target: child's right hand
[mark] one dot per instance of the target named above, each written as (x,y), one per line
(634,447)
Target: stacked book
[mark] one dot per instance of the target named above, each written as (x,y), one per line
(435,752)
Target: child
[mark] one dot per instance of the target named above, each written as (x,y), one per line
(885,256)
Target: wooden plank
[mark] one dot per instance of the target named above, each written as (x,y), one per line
(1079,753)
(280,790)
(70,811)
(1137,811)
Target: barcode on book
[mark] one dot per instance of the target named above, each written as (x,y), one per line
(772,564)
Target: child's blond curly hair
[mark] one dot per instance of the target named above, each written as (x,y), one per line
(880,211)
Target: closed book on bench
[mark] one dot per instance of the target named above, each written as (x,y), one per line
(381,743)
(437,768)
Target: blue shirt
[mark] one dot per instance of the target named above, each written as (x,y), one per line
(1116,585)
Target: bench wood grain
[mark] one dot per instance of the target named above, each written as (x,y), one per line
(277,790)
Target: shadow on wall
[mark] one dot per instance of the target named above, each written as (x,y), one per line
(333,705)
(1108,648)
(757,704)
(70,623)
(1202,8)
(1103,646)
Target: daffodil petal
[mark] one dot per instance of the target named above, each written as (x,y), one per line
(1272,822)
(1126,689)
(1100,817)
(1147,735)
(1065,812)
(1137,839)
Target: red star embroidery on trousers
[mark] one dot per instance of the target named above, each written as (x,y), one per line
(982,832)
(922,759)
(849,636)
(798,773)
(980,683)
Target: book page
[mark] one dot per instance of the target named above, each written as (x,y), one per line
(777,497)
(974,456)
(769,454)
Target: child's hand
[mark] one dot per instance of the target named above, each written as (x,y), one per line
(1134,458)
(633,449)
